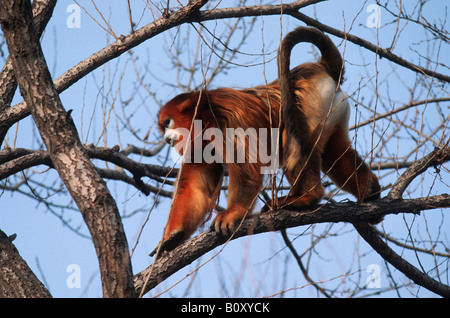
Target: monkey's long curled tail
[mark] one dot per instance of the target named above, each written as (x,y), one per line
(331,60)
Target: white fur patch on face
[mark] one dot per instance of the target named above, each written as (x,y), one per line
(171,136)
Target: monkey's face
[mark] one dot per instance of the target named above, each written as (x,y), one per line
(171,125)
(171,135)
(174,121)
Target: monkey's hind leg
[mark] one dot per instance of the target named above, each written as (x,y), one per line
(303,173)
(346,168)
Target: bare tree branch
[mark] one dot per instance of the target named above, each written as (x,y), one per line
(59,134)
(13,161)
(123,44)
(190,13)
(79,166)
(300,264)
(13,269)
(437,157)
(371,47)
(42,12)
(170,262)
(420,278)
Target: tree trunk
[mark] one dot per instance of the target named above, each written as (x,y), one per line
(16,278)
(68,155)
(42,12)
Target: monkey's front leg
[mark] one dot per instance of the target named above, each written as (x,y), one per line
(197,189)
(244,186)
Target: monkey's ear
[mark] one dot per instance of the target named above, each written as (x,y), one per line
(193,99)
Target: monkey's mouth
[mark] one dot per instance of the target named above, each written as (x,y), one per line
(171,136)
(171,142)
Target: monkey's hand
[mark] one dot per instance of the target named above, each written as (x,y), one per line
(226,222)
(174,239)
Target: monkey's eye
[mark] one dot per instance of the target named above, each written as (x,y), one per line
(168,123)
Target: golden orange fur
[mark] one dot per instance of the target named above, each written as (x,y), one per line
(314,137)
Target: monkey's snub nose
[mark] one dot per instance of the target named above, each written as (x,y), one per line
(168,140)
(171,136)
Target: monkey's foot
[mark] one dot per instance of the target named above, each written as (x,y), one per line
(174,239)
(225,222)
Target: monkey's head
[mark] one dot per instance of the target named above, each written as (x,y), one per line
(175,118)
